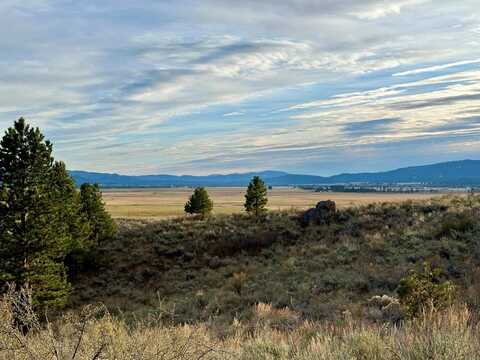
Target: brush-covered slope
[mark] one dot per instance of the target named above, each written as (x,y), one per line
(218,268)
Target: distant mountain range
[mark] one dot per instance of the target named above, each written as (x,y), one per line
(453,173)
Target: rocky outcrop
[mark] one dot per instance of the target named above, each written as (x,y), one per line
(323,213)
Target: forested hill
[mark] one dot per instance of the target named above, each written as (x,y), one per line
(453,173)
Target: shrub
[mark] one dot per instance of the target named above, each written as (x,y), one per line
(455,223)
(425,291)
(385,308)
(265,315)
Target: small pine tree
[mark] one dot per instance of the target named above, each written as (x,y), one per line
(256,197)
(102,226)
(34,238)
(199,203)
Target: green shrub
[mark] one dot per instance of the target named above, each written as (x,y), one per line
(425,291)
(456,223)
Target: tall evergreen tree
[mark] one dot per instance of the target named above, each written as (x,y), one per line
(80,255)
(199,202)
(34,238)
(256,197)
(102,226)
(68,201)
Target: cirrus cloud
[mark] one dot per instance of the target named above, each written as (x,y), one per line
(190,87)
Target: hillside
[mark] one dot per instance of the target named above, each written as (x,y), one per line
(454,173)
(447,173)
(194,270)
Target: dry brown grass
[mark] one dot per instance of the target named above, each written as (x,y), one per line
(164,203)
(453,334)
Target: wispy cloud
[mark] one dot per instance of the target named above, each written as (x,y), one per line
(437,67)
(234,113)
(376,11)
(190,87)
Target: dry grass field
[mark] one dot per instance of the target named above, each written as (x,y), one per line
(164,203)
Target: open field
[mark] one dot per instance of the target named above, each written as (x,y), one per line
(163,203)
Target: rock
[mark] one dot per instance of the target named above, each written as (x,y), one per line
(323,213)
(308,216)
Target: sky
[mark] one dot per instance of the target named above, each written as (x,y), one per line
(199,87)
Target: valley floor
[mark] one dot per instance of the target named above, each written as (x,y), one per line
(165,203)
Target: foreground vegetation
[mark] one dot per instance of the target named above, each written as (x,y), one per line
(278,334)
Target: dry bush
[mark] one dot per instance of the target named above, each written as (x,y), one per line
(266,316)
(94,334)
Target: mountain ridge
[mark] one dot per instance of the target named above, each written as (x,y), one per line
(450,173)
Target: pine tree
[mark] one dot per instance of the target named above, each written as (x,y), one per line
(69,204)
(102,226)
(256,197)
(199,203)
(80,247)
(33,235)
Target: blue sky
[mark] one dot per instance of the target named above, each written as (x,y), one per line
(197,87)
